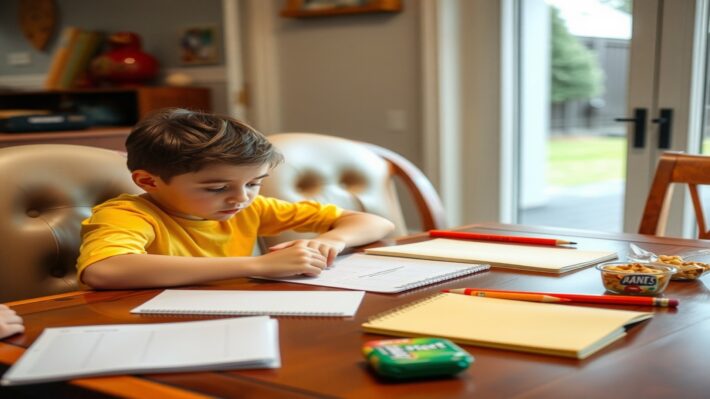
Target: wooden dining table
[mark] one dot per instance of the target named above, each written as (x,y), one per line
(665,357)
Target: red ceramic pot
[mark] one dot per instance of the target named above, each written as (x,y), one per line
(125,63)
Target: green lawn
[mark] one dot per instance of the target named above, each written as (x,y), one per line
(578,160)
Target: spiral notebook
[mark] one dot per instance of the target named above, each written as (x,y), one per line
(385,273)
(552,329)
(240,303)
(534,258)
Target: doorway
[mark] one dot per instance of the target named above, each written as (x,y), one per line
(573,83)
(594,78)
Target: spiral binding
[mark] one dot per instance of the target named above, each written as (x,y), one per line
(239,313)
(401,309)
(449,276)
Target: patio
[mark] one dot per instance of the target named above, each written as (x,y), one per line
(596,206)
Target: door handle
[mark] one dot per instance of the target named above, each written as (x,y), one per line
(665,125)
(639,120)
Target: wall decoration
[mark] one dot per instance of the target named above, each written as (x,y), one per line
(38,19)
(322,8)
(198,45)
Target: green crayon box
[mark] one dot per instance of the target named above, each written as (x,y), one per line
(416,357)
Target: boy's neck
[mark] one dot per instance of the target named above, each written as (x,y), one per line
(157,203)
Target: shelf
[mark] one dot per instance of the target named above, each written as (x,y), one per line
(117,131)
(111,106)
(110,138)
(298,8)
(112,111)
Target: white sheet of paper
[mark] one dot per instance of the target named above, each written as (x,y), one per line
(69,352)
(234,302)
(385,273)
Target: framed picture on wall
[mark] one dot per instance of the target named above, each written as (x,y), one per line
(322,8)
(198,45)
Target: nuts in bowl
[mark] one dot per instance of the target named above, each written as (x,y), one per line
(636,278)
(687,270)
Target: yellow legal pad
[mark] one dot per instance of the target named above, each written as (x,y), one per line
(560,330)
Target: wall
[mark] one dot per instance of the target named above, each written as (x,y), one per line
(159,22)
(354,76)
(485,163)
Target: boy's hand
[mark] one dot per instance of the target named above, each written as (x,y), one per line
(290,261)
(326,247)
(10,322)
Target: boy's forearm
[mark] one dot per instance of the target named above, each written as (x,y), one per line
(147,271)
(357,228)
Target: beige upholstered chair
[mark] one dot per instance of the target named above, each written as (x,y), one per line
(353,175)
(47,190)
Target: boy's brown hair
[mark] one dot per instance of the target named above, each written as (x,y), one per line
(175,141)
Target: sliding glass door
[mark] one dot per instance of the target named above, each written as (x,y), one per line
(604,87)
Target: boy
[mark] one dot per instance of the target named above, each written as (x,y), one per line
(201,212)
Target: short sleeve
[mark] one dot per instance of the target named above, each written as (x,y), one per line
(110,232)
(277,216)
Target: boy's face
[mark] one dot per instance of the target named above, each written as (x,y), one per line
(216,192)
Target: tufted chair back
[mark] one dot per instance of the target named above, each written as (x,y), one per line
(354,175)
(47,190)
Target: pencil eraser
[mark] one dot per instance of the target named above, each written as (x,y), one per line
(673,303)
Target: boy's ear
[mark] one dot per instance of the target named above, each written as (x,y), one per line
(145,180)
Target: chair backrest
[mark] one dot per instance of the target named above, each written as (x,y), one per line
(354,175)
(47,190)
(675,167)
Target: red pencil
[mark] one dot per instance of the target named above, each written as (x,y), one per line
(604,299)
(496,237)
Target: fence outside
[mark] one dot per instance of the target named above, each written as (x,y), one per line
(597,115)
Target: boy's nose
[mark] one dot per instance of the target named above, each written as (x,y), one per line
(238,198)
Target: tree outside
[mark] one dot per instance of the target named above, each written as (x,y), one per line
(576,74)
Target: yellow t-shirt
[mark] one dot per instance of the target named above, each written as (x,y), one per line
(131,224)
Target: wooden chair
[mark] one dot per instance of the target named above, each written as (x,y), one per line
(354,175)
(675,167)
(426,199)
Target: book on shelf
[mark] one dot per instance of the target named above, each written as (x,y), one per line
(79,57)
(523,257)
(66,43)
(63,353)
(72,57)
(551,329)
(385,274)
(236,303)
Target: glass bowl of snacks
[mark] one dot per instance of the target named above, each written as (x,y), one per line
(687,269)
(636,278)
